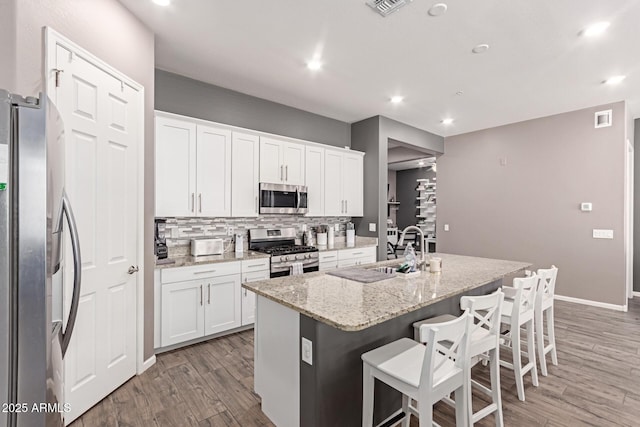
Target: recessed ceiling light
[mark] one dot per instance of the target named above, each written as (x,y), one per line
(595,29)
(447,121)
(614,80)
(314,64)
(481,48)
(162,2)
(397,99)
(459,93)
(438,9)
(421,163)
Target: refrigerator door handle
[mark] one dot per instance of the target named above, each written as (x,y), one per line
(77,269)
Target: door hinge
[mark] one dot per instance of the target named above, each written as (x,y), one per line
(58,72)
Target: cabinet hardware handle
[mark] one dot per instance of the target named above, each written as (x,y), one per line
(286,173)
(208,293)
(358,253)
(256,204)
(245,292)
(254,265)
(200,294)
(200,201)
(281,172)
(193,202)
(203,272)
(346,206)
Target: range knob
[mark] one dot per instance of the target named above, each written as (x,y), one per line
(308,256)
(285,258)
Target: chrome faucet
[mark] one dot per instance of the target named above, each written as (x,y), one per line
(422,241)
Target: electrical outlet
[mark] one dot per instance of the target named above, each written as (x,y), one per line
(307,351)
(602,234)
(446,227)
(230,231)
(372,226)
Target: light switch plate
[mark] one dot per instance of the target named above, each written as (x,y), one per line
(307,351)
(602,234)
(446,227)
(372,226)
(586,207)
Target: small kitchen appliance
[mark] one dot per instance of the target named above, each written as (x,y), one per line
(161,249)
(286,256)
(283,199)
(206,246)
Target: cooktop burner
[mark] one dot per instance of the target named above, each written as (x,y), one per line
(287,249)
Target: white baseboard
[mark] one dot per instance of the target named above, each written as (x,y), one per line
(147,364)
(592,303)
(636,294)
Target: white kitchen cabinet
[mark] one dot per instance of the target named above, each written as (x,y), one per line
(343,183)
(281,161)
(222,305)
(245,174)
(328,260)
(193,169)
(175,167)
(182,312)
(213,160)
(356,256)
(248,297)
(314,180)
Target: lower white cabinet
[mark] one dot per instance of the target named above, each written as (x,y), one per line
(222,305)
(328,260)
(182,312)
(249,298)
(356,256)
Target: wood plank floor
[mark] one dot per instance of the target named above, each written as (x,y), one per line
(597,381)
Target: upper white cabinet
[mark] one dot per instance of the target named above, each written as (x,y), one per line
(245,174)
(314,179)
(343,183)
(281,161)
(175,167)
(193,169)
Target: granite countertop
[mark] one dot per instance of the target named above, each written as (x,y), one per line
(352,306)
(361,242)
(187,261)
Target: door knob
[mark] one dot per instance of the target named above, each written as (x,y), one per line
(133,269)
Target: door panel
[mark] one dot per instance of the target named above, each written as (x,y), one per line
(101,120)
(175,167)
(314,180)
(182,312)
(353,186)
(271,160)
(213,170)
(222,305)
(293,160)
(245,174)
(333,201)
(249,298)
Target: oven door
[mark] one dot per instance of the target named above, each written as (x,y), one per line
(283,199)
(284,268)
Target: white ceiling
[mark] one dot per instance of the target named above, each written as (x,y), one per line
(537,65)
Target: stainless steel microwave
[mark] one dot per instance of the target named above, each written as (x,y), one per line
(283,199)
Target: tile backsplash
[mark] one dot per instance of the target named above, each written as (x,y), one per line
(180,231)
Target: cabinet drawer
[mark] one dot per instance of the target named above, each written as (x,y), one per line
(346,254)
(254,276)
(330,256)
(255,265)
(183,274)
(329,265)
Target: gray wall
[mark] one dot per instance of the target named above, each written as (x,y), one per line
(8,44)
(182,95)
(109,31)
(372,136)
(528,210)
(636,208)
(406,189)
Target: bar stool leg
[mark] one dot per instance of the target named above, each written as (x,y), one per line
(405,409)
(517,361)
(540,341)
(531,352)
(495,386)
(552,335)
(367,396)
(461,408)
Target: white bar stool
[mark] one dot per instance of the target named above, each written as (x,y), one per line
(485,338)
(544,308)
(422,373)
(518,311)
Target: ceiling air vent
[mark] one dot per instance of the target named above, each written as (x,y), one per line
(386,7)
(603,119)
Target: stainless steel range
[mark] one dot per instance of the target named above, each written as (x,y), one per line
(285,254)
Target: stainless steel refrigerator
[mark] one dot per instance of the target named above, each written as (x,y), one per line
(35,217)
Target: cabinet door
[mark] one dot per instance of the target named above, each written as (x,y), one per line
(333,201)
(352,184)
(213,171)
(182,312)
(175,167)
(293,160)
(271,167)
(222,304)
(245,170)
(314,180)
(249,298)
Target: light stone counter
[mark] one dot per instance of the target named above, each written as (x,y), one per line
(361,242)
(188,261)
(353,306)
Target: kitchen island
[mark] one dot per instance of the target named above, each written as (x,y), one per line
(330,321)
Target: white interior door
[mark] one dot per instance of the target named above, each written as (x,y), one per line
(101,117)
(214,172)
(628,214)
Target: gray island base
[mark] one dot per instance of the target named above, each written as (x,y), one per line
(331,321)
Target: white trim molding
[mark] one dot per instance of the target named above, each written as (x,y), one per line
(615,307)
(636,294)
(147,364)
